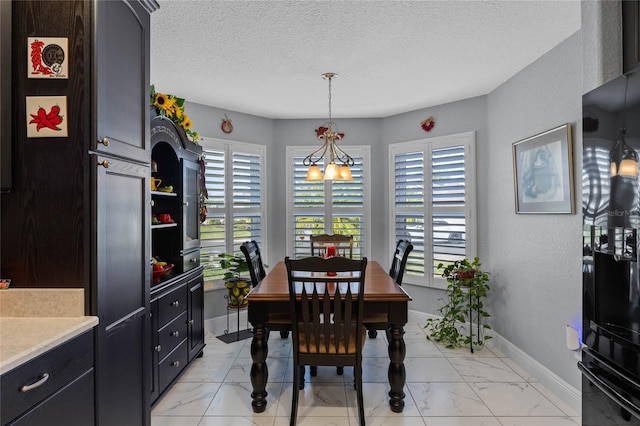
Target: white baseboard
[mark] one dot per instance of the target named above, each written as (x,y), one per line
(560,388)
(567,393)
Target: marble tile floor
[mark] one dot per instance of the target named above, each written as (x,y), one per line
(444,388)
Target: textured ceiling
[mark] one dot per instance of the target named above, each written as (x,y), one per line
(266,57)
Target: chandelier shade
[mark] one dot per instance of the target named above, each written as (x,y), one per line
(339,163)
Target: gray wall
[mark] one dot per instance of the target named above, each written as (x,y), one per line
(534,260)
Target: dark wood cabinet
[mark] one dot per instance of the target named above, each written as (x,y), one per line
(196,316)
(178,328)
(177,298)
(630,34)
(78,214)
(58,384)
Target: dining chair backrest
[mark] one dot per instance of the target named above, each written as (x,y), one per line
(399,261)
(327,303)
(253,257)
(342,243)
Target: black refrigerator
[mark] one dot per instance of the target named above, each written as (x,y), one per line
(610,363)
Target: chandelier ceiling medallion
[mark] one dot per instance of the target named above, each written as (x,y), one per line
(339,162)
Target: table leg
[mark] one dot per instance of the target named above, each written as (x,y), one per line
(397,373)
(259,373)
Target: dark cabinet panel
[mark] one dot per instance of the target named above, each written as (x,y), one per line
(122,224)
(196,316)
(121,388)
(122,72)
(630,34)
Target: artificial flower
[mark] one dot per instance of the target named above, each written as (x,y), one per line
(172,107)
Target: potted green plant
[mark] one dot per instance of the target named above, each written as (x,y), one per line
(237,287)
(467,288)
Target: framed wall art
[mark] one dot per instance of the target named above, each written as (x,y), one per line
(48,57)
(47,116)
(543,173)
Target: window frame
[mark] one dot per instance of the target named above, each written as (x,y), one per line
(426,146)
(363,151)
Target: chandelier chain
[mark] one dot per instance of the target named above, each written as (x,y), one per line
(330,126)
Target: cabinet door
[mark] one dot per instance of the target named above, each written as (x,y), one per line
(191,206)
(196,316)
(122,79)
(122,276)
(630,34)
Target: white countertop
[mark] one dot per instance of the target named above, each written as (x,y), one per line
(24,338)
(34,320)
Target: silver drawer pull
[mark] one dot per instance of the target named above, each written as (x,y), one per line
(175,303)
(27,388)
(175,333)
(175,364)
(158,348)
(193,260)
(192,322)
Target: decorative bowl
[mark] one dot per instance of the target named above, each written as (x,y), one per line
(158,273)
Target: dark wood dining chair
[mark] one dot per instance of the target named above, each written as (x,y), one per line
(379,321)
(342,243)
(252,255)
(327,315)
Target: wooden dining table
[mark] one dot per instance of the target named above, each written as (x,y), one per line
(381,295)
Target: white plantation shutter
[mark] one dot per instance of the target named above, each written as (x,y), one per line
(331,207)
(348,208)
(308,211)
(235,209)
(433,197)
(409,206)
(448,201)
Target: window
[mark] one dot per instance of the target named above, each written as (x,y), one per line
(236,208)
(433,193)
(327,207)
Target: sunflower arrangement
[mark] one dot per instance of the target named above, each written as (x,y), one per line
(172,107)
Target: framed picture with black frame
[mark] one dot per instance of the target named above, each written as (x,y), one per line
(543,173)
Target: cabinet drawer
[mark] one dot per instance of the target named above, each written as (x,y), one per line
(173,364)
(61,365)
(190,260)
(171,305)
(172,334)
(72,405)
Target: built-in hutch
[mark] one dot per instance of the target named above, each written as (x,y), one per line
(177,298)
